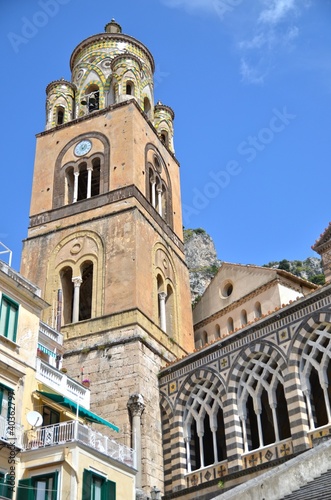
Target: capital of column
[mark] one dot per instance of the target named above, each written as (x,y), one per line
(77,281)
(162,295)
(136,404)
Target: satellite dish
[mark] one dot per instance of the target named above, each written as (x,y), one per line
(34,418)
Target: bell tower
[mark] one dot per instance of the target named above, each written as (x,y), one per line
(105,241)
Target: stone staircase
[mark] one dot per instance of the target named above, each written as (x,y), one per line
(318,489)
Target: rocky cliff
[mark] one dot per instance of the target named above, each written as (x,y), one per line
(201,259)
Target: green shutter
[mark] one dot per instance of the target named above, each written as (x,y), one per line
(109,491)
(87,482)
(55,481)
(8,318)
(25,490)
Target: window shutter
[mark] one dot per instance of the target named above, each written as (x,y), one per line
(25,490)
(87,482)
(55,485)
(109,491)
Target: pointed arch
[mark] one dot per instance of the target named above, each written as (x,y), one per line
(258,374)
(200,402)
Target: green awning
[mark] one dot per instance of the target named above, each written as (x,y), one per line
(46,351)
(72,406)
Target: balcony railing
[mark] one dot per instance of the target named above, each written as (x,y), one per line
(11,433)
(50,333)
(61,383)
(64,432)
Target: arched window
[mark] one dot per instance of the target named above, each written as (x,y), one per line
(204,430)
(86,289)
(82,182)
(147,107)
(261,402)
(229,324)
(77,293)
(164,136)
(170,311)
(243,317)
(95,182)
(162,320)
(91,98)
(217,331)
(258,310)
(59,115)
(158,185)
(204,337)
(67,293)
(70,183)
(316,376)
(129,88)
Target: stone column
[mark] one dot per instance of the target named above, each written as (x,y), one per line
(136,406)
(89,181)
(159,200)
(76,175)
(163,319)
(153,194)
(75,307)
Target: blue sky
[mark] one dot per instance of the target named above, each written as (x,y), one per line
(250,83)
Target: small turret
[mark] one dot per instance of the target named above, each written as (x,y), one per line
(60,98)
(113,27)
(163,122)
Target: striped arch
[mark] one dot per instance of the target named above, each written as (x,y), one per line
(199,409)
(303,331)
(312,350)
(167,418)
(245,354)
(258,382)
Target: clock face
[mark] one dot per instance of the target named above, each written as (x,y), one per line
(82,148)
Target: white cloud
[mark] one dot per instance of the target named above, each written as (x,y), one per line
(269,37)
(252,74)
(277,11)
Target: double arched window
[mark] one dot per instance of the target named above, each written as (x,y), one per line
(166,306)
(77,293)
(158,185)
(204,431)
(261,402)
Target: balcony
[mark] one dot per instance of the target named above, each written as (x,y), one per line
(73,431)
(9,433)
(62,384)
(49,332)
